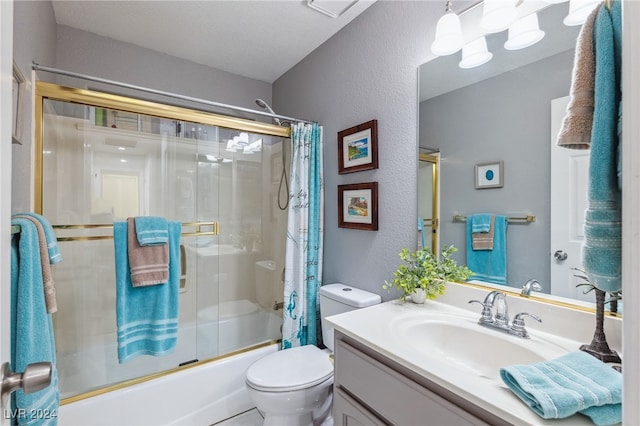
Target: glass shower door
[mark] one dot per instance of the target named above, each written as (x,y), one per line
(101,165)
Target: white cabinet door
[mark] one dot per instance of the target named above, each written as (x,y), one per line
(569,180)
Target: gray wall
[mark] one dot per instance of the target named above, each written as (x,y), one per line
(34,37)
(94,55)
(368,71)
(507,117)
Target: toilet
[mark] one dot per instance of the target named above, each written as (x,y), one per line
(294,386)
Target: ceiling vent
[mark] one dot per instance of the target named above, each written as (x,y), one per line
(331,8)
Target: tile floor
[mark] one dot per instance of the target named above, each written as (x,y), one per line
(248,418)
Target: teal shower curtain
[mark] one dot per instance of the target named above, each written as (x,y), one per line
(303,257)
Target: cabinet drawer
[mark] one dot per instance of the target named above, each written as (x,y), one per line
(392,396)
(348,412)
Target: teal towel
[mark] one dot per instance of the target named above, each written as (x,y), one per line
(151,230)
(602,247)
(52,241)
(480,222)
(573,383)
(421,231)
(147,317)
(489,265)
(32,338)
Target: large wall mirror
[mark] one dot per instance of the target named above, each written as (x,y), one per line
(504,111)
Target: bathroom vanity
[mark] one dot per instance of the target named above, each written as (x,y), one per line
(370,388)
(432,364)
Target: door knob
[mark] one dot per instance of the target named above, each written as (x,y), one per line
(36,376)
(560,255)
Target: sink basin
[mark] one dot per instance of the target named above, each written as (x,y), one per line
(466,345)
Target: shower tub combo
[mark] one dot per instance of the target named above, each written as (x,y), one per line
(102,158)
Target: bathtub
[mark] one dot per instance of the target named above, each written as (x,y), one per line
(199,395)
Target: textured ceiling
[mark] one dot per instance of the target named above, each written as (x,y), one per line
(259,39)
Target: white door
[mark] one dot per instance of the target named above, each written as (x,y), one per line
(6,72)
(569,179)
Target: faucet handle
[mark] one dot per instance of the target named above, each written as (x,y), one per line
(517,327)
(486,317)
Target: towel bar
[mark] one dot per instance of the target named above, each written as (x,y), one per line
(15,229)
(198,225)
(520,219)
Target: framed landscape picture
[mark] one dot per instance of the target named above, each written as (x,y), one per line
(358,206)
(358,148)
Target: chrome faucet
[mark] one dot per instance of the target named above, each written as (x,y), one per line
(517,328)
(529,286)
(500,321)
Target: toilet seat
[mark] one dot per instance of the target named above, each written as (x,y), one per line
(290,369)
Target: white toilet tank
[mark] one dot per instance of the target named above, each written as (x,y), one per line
(338,298)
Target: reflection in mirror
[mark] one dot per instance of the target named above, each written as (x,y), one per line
(428,210)
(502,111)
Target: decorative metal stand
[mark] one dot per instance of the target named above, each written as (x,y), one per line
(599,347)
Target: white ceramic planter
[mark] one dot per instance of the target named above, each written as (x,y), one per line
(418,296)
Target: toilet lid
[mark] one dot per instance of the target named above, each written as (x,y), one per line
(290,369)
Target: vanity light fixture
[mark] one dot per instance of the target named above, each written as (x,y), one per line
(475,53)
(498,15)
(448,33)
(579,10)
(524,32)
(520,17)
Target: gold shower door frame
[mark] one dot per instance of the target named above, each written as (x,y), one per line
(92,98)
(48,91)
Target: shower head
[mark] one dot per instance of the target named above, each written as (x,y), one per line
(262,104)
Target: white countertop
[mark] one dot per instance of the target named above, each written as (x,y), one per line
(375,327)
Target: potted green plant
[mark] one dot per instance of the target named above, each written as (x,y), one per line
(423,275)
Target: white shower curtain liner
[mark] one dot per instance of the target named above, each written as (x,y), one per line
(303,258)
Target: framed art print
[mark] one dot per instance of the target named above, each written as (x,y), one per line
(358,148)
(489,175)
(358,206)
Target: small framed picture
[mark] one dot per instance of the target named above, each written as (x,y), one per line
(358,206)
(358,148)
(489,175)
